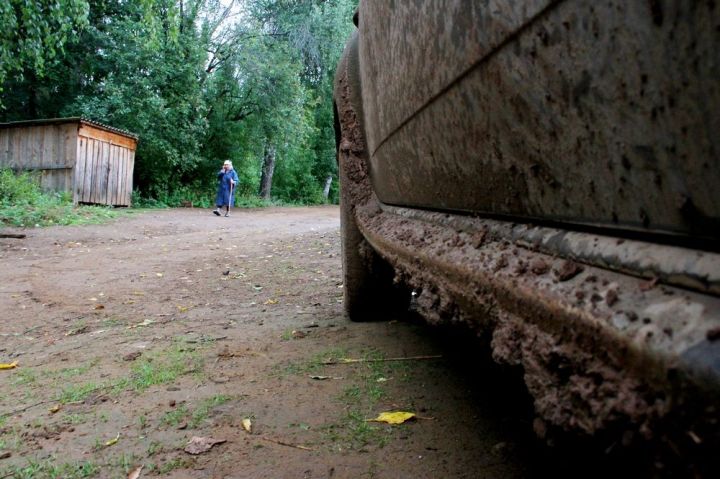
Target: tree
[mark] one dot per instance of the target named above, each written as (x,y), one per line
(34,32)
(200,81)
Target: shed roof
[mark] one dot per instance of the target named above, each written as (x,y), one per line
(74,119)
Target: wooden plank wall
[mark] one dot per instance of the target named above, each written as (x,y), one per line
(94,164)
(104,173)
(49,149)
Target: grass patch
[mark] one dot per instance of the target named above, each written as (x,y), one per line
(313,365)
(161,367)
(203,410)
(23,204)
(48,469)
(177,463)
(111,323)
(23,377)
(164,368)
(174,417)
(75,418)
(360,399)
(155,447)
(354,432)
(125,462)
(197,416)
(67,373)
(78,393)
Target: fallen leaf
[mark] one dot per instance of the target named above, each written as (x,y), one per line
(147,322)
(298,334)
(396,417)
(271,301)
(113,440)
(247,425)
(182,309)
(135,473)
(54,409)
(198,445)
(12,365)
(99,306)
(159,275)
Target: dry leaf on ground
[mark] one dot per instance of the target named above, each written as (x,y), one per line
(247,425)
(396,417)
(135,473)
(198,445)
(113,440)
(12,365)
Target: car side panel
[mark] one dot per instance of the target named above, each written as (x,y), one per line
(411,50)
(602,113)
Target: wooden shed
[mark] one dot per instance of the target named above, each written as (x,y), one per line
(92,160)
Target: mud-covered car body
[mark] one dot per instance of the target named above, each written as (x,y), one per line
(547,173)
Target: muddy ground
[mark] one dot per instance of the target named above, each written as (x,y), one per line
(133,337)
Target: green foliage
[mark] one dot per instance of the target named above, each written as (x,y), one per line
(34,32)
(197,83)
(19,189)
(49,469)
(23,204)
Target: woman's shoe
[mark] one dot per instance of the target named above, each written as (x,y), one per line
(216,212)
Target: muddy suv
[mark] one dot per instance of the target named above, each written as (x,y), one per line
(546,173)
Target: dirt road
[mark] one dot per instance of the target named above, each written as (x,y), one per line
(133,337)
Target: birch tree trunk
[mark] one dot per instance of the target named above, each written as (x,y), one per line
(268,169)
(326,190)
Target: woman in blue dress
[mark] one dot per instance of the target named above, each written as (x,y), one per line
(227,179)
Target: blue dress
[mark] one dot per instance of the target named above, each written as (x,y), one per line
(226,195)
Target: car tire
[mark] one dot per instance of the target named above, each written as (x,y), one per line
(370,293)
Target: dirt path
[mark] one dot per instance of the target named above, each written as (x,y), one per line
(133,337)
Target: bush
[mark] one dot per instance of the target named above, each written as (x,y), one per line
(18,189)
(22,203)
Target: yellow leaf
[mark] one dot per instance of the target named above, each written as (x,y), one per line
(54,409)
(271,301)
(396,417)
(182,309)
(12,365)
(247,425)
(113,440)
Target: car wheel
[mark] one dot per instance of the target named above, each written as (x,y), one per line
(369,290)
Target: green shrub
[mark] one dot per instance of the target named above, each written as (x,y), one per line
(22,203)
(17,189)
